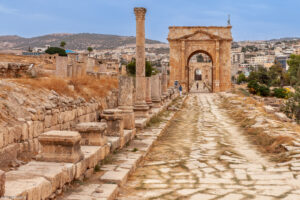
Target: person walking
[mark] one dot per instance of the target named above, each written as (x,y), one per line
(180,89)
(197,84)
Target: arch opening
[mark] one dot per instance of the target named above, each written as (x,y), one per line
(200,72)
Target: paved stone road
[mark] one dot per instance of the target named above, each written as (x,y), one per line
(203,156)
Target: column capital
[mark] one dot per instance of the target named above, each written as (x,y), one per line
(140,12)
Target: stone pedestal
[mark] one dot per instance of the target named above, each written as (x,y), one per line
(115,123)
(125,101)
(60,146)
(2,183)
(140,108)
(92,133)
(155,91)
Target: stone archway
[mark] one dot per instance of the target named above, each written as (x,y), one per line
(214,41)
(202,62)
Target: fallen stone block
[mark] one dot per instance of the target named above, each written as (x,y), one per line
(269,109)
(282,117)
(60,146)
(92,133)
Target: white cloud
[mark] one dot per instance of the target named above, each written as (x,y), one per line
(6,10)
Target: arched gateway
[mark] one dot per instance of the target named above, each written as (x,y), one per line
(213,41)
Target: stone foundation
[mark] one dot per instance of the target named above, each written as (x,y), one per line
(60,146)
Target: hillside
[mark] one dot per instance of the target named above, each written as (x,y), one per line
(74,41)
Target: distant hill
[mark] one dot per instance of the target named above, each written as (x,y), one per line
(74,41)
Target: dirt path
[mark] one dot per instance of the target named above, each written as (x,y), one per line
(203,155)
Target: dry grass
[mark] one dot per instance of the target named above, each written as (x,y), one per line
(86,87)
(51,83)
(265,142)
(89,87)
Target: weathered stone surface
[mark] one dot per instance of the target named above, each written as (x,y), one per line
(2,183)
(155,91)
(186,41)
(269,109)
(92,133)
(140,107)
(282,116)
(60,146)
(115,122)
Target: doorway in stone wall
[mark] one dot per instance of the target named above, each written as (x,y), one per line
(200,72)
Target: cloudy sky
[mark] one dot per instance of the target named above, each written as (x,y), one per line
(251,19)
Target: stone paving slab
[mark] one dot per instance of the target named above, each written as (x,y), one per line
(205,155)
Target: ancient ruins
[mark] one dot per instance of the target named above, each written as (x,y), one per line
(78,127)
(64,139)
(213,41)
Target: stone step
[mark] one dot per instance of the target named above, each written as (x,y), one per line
(39,180)
(94,191)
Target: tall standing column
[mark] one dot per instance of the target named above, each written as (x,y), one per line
(125,101)
(155,91)
(164,81)
(140,108)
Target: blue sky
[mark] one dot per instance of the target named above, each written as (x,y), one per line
(251,19)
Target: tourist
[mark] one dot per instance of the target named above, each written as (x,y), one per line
(180,89)
(197,85)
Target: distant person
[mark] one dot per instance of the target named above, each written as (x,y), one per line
(180,89)
(197,85)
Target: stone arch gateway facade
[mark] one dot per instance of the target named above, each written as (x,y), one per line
(214,41)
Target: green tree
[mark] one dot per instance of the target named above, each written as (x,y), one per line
(62,44)
(131,68)
(90,49)
(294,69)
(56,50)
(241,78)
(275,74)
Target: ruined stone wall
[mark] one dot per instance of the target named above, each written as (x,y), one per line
(18,140)
(8,69)
(15,65)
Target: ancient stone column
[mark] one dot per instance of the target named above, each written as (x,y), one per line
(155,91)
(125,101)
(148,91)
(141,108)
(164,81)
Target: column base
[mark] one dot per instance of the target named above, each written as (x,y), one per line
(141,111)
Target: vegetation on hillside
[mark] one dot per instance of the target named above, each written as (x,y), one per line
(56,50)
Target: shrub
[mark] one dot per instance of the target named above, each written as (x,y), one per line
(292,106)
(263,91)
(280,92)
(253,87)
